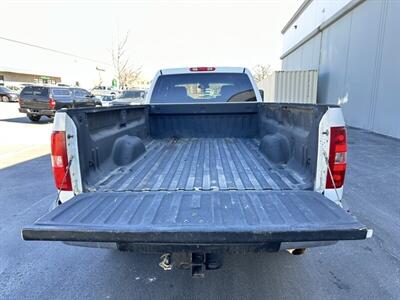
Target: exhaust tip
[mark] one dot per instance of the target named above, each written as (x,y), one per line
(297,251)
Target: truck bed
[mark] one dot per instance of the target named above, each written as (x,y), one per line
(183,176)
(191,164)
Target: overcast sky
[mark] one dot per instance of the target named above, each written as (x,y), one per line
(162,33)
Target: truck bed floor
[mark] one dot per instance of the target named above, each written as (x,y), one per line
(201,164)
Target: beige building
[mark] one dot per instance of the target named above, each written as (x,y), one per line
(22,63)
(10,78)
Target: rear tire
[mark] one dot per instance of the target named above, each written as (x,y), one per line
(5,99)
(34,118)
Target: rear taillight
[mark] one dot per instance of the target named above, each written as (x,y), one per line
(52,103)
(59,161)
(337,158)
(201,69)
(20,101)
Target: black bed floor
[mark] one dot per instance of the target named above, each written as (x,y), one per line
(202,164)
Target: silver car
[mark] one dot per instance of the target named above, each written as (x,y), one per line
(130,97)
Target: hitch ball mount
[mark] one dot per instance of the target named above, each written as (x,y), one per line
(198,262)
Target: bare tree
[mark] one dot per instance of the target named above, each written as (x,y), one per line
(126,73)
(260,72)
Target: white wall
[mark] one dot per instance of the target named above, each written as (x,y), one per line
(316,13)
(359,65)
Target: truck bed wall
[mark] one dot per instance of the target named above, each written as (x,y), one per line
(289,135)
(204,121)
(109,138)
(104,135)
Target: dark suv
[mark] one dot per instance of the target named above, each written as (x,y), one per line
(38,101)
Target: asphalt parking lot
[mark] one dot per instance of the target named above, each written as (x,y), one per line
(367,269)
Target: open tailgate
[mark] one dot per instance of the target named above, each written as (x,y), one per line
(222,217)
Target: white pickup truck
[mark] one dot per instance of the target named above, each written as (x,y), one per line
(204,167)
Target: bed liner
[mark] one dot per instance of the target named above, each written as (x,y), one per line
(190,164)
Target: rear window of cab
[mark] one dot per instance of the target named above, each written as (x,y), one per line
(203,88)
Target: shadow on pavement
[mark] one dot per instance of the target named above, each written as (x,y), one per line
(23,184)
(243,276)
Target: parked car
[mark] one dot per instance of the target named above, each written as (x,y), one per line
(102,90)
(7,95)
(15,88)
(106,100)
(37,101)
(129,97)
(203,168)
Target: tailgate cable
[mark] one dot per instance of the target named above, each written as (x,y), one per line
(63,180)
(331,177)
(369,231)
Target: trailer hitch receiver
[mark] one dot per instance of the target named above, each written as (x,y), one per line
(197,262)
